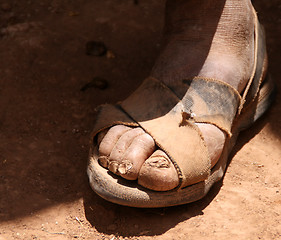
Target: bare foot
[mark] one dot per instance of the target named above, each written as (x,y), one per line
(203,38)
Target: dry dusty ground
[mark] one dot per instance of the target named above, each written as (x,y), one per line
(45,122)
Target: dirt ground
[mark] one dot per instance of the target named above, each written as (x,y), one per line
(45,122)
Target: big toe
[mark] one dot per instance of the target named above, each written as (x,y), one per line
(158,173)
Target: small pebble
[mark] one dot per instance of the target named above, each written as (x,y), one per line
(94,48)
(97,82)
(110,54)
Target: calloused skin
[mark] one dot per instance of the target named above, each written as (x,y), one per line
(218,45)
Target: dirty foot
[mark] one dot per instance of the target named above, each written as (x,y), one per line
(202,38)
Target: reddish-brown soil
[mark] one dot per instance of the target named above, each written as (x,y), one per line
(45,122)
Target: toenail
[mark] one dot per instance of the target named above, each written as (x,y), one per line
(125,167)
(113,167)
(158,162)
(103,160)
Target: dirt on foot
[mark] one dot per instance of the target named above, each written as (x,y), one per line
(50,85)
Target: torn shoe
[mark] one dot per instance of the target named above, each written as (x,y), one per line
(170,119)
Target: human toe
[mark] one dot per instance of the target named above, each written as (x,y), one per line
(158,173)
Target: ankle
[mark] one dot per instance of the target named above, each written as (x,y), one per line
(228,68)
(205,36)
